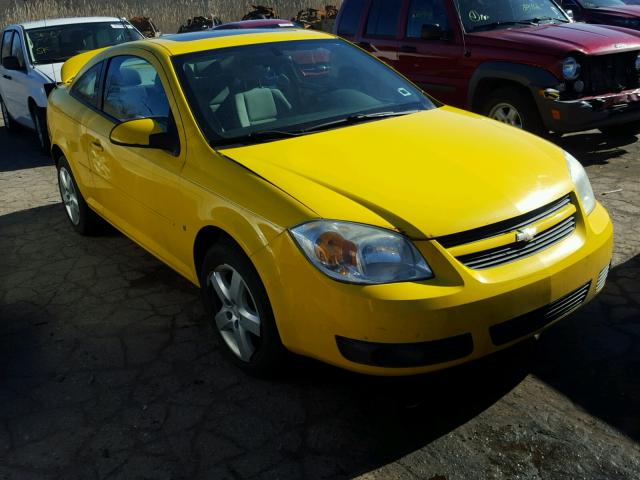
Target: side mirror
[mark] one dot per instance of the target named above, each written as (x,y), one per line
(432,32)
(569,14)
(12,63)
(145,133)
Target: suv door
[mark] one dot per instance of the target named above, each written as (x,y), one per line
(139,188)
(381,28)
(431,52)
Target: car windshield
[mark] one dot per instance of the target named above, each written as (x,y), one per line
(482,15)
(263,92)
(602,3)
(59,43)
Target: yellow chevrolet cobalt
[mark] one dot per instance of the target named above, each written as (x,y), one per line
(323,204)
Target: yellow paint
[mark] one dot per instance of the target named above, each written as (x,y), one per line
(72,66)
(427,174)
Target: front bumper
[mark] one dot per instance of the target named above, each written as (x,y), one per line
(565,116)
(415,327)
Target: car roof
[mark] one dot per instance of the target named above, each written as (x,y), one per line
(180,43)
(52,22)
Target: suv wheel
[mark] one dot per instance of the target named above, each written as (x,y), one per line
(513,107)
(9,124)
(238,308)
(624,130)
(39,118)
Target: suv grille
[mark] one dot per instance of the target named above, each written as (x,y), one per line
(610,73)
(514,250)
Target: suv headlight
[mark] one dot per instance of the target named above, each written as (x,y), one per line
(356,253)
(570,68)
(582,183)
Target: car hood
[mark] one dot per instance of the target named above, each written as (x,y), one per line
(627,11)
(50,71)
(562,39)
(427,174)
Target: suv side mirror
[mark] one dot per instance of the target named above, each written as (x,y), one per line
(432,32)
(11,63)
(146,133)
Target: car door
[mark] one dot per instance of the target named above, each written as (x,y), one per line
(139,189)
(380,30)
(14,82)
(431,51)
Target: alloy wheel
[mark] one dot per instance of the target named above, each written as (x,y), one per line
(238,319)
(506,113)
(69,195)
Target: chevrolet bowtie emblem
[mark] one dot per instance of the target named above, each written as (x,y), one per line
(526,234)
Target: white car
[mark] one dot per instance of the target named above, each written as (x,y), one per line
(32,55)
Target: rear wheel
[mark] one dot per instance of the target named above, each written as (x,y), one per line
(625,130)
(82,218)
(514,107)
(39,118)
(238,308)
(9,123)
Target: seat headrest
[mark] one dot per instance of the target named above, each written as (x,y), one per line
(128,77)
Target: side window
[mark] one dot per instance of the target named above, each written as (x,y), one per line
(383,18)
(350,18)
(426,12)
(86,87)
(133,90)
(6,44)
(17,50)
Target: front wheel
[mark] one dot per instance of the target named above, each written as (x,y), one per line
(238,308)
(39,118)
(516,108)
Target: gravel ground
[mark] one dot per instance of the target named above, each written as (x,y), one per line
(108,370)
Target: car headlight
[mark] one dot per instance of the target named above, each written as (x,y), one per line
(570,68)
(582,183)
(356,253)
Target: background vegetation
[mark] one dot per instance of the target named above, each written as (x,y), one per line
(168,15)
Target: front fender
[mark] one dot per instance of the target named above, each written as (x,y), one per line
(528,76)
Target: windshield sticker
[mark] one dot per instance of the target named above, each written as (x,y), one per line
(477,17)
(404,92)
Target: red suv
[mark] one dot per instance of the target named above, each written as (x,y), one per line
(522,62)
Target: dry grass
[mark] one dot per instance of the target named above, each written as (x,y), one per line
(166,14)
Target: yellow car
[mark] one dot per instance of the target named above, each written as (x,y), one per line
(323,204)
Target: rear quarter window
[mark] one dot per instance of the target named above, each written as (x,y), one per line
(383,18)
(350,18)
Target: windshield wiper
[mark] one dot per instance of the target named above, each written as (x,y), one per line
(537,20)
(355,118)
(256,137)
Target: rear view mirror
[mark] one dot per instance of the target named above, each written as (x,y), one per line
(145,133)
(11,63)
(432,32)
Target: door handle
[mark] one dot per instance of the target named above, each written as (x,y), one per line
(8,77)
(97,145)
(365,45)
(408,49)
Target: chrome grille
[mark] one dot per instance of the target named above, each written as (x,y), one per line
(602,278)
(528,323)
(610,73)
(516,251)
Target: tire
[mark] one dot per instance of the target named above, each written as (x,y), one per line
(9,123)
(83,220)
(39,118)
(514,107)
(624,130)
(243,322)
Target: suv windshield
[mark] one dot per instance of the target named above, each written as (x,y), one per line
(263,92)
(61,42)
(479,15)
